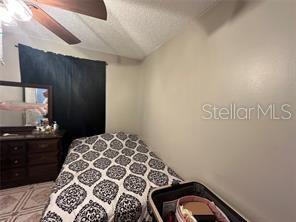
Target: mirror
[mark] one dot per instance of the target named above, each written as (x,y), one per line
(23,105)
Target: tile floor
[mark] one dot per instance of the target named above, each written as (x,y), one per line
(24,204)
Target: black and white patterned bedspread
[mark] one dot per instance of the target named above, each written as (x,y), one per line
(106,178)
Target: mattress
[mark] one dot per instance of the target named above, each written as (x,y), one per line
(107,177)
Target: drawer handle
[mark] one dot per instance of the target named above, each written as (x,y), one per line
(15,148)
(16,174)
(43,145)
(16,162)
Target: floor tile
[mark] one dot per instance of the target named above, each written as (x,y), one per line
(24,204)
(10,201)
(28,217)
(37,198)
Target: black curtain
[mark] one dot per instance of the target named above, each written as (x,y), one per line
(78,89)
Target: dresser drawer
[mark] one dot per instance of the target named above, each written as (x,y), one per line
(43,173)
(13,175)
(12,148)
(42,158)
(13,162)
(29,158)
(42,146)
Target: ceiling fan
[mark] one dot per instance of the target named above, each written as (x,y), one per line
(23,10)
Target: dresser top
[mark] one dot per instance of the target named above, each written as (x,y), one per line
(31,136)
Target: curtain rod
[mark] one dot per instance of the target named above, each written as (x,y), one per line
(103,61)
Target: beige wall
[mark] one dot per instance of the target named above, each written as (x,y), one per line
(244,54)
(121,85)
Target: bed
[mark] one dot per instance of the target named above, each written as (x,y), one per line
(106,177)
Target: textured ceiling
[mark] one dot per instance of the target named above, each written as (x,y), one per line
(134,28)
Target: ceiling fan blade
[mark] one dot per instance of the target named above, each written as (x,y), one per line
(50,23)
(93,8)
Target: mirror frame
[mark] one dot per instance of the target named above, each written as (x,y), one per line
(19,129)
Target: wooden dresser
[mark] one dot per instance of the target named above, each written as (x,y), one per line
(27,159)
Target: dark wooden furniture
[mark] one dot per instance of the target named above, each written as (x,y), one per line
(29,158)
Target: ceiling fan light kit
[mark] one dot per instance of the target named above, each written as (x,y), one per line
(18,10)
(24,11)
(5,18)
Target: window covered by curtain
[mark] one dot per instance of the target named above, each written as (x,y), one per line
(78,88)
